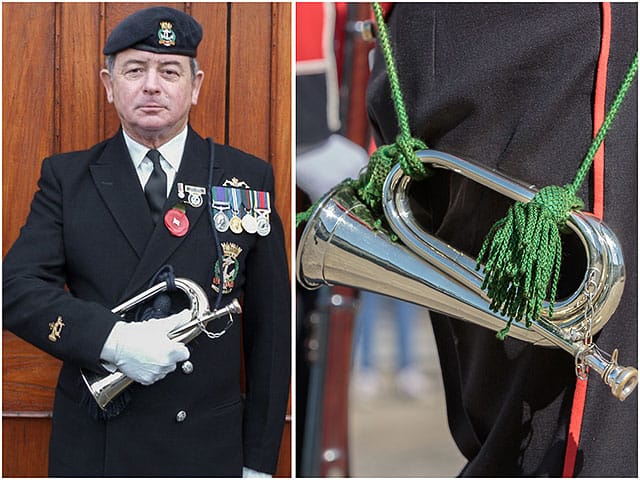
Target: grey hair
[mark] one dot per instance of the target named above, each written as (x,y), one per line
(110,62)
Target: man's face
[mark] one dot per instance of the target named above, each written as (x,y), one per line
(152,94)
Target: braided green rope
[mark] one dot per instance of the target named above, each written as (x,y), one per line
(368,186)
(522,252)
(606,124)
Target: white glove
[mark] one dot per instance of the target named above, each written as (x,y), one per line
(142,350)
(320,169)
(250,473)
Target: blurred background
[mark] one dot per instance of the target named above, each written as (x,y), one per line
(370,399)
(397,419)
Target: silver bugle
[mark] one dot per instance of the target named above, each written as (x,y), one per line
(340,246)
(105,388)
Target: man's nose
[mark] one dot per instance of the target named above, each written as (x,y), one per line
(151,82)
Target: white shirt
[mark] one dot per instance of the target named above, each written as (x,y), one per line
(171,156)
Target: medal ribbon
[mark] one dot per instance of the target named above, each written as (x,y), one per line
(235,199)
(219,196)
(254,201)
(264,202)
(248,204)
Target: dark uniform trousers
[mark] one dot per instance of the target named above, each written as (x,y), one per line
(90,229)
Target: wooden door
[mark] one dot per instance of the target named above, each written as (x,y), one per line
(53,102)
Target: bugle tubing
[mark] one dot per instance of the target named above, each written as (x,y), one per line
(340,246)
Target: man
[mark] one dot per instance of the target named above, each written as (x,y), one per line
(512,87)
(103,223)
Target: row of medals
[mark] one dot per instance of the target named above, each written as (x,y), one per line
(248,223)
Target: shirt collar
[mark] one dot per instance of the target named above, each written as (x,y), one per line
(171,151)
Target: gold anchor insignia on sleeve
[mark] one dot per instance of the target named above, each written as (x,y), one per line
(56,329)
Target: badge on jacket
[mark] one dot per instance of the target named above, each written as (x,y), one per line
(228,272)
(56,329)
(191,194)
(176,220)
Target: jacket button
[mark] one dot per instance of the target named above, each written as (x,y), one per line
(187,367)
(181,416)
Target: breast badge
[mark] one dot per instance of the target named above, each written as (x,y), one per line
(191,194)
(56,329)
(230,268)
(235,183)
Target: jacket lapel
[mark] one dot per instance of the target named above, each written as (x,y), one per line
(118,185)
(194,170)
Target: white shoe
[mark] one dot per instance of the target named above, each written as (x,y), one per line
(366,384)
(412,383)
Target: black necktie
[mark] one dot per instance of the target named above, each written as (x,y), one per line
(156,187)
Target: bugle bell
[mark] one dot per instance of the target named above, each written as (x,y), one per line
(340,246)
(105,388)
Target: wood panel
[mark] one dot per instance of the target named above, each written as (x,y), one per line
(29,437)
(27,108)
(28,377)
(249,63)
(53,101)
(210,112)
(79,89)
(281,93)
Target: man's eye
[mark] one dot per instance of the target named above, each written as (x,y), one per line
(133,71)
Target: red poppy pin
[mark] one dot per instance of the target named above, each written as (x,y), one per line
(176,221)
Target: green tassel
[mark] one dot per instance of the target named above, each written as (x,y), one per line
(522,255)
(369,185)
(522,252)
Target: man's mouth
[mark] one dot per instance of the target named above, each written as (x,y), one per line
(151,107)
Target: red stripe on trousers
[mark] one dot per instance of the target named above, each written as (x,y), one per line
(580,394)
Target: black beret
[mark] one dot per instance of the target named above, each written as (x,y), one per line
(156,29)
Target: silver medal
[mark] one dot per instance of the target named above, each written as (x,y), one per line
(194,200)
(221,222)
(264,227)
(249,223)
(195,195)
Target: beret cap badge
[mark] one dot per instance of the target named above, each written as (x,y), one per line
(166,35)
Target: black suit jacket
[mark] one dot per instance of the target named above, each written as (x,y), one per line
(90,230)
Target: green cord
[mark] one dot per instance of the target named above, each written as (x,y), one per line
(405,142)
(602,132)
(522,253)
(369,185)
